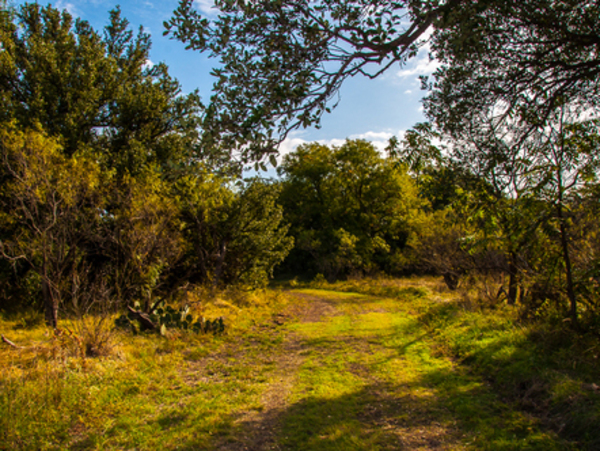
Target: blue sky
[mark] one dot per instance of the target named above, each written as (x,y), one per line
(369,109)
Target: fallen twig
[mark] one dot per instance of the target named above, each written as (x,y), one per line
(10,343)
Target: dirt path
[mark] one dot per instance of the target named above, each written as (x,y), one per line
(396,417)
(259,430)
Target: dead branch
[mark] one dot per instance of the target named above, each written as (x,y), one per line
(10,343)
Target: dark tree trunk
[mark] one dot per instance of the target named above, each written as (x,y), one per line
(50,301)
(451,280)
(568,270)
(512,279)
(219,264)
(50,305)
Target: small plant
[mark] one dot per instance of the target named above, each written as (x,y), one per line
(319,280)
(169,318)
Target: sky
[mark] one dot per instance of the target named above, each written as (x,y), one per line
(374,110)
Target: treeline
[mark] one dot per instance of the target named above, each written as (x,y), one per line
(533,229)
(107,193)
(118,188)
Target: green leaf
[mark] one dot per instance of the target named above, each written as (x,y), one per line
(273,160)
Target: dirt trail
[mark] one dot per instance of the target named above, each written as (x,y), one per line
(404,421)
(259,430)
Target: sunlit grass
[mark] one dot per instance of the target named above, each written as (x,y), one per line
(149,393)
(360,365)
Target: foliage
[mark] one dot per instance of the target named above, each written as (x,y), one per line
(351,211)
(282,63)
(535,171)
(95,91)
(235,235)
(108,196)
(515,60)
(143,238)
(50,213)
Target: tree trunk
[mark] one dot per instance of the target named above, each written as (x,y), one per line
(512,279)
(50,302)
(50,305)
(568,270)
(451,280)
(219,264)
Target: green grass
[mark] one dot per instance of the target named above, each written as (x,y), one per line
(371,357)
(362,365)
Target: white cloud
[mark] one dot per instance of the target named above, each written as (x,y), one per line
(206,6)
(70,7)
(379,139)
(148,64)
(421,66)
(408,91)
(372,136)
(289,145)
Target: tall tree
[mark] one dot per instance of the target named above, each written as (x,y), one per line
(351,211)
(96,92)
(518,84)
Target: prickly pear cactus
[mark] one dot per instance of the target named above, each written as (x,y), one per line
(170,318)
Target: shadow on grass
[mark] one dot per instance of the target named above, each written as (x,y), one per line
(479,402)
(384,416)
(438,410)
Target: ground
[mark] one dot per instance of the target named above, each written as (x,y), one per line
(398,366)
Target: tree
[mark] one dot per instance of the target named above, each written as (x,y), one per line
(514,59)
(95,92)
(568,162)
(282,63)
(534,172)
(235,234)
(143,241)
(517,85)
(351,211)
(51,207)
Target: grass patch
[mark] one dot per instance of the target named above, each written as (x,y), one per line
(360,365)
(151,392)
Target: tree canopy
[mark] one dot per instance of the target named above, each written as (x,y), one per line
(95,90)
(351,211)
(108,196)
(282,63)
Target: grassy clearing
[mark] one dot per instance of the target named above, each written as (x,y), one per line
(369,365)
